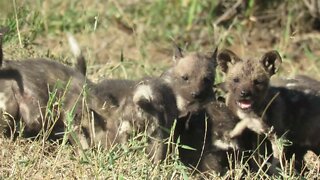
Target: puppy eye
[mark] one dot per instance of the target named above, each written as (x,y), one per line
(185,77)
(236,80)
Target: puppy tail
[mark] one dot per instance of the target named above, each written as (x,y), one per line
(80,64)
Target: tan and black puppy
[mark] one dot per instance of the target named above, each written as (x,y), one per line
(289,106)
(147,105)
(46,96)
(303,101)
(249,95)
(192,77)
(28,84)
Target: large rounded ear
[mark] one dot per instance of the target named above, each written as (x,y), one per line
(271,61)
(225,58)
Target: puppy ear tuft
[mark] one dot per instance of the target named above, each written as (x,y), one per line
(271,61)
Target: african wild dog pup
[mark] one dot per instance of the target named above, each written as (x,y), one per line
(26,88)
(302,95)
(192,78)
(248,94)
(290,106)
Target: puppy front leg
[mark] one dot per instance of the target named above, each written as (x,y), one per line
(239,128)
(250,121)
(257,125)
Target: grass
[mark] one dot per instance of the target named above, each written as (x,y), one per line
(132,39)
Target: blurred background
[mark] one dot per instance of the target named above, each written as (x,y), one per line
(133,38)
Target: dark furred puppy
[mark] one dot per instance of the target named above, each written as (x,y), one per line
(303,96)
(207,131)
(191,78)
(26,88)
(31,87)
(290,106)
(248,94)
(147,106)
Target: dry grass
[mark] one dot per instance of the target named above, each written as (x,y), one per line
(131,39)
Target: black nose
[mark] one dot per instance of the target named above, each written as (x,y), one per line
(245,93)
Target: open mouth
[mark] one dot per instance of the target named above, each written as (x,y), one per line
(244,104)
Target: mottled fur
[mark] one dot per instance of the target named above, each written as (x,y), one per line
(301,83)
(27,85)
(207,131)
(147,106)
(289,106)
(192,78)
(249,97)
(303,101)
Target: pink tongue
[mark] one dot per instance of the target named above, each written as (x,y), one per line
(244,104)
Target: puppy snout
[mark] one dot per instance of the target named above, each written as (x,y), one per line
(245,93)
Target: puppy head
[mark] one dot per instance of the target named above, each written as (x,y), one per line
(192,77)
(247,80)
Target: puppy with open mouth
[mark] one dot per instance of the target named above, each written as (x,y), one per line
(249,96)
